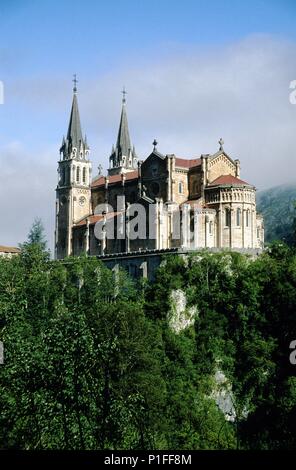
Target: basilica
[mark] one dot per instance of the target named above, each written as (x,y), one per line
(193,203)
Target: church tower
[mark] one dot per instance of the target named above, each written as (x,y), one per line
(123,158)
(73,193)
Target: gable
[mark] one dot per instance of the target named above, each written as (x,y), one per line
(154,166)
(220,164)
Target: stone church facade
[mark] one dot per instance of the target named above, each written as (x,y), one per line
(188,204)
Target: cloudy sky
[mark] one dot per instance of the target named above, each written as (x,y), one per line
(194,70)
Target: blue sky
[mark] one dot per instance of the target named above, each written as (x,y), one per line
(185,65)
(99,33)
(54,37)
(47,41)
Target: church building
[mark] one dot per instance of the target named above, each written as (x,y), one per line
(188,203)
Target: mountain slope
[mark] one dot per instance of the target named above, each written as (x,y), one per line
(277,205)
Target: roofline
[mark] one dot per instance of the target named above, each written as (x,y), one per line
(9,249)
(79,224)
(220,152)
(230,185)
(126,181)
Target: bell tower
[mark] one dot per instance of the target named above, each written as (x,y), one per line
(73,193)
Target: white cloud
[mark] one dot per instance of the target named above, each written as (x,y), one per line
(26,192)
(240,92)
(187,100)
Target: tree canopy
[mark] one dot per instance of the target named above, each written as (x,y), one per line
(36,235)
(199,359)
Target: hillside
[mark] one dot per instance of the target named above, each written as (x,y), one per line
(203,358)
(277,207)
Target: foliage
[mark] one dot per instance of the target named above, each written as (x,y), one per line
(36,235)
(277,206)
(81,368)
(91,362)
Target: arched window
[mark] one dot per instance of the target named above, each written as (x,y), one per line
(238,217)
(84,175)
(155,188)
(78,174)
(195,187)
(62,176)
(227,217)
(247,218)
(180,187)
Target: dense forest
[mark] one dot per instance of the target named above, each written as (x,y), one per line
(197,360)
(277,205)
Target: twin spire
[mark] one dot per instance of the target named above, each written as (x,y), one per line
(74,146)
(123,156)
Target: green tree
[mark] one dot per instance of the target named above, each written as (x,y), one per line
(81,360)
(36,235)
(92,360)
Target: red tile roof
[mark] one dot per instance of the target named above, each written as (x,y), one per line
(9,249)
(187,163)
(228,179)
(93,219)
(132,175)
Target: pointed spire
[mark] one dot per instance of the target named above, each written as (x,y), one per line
(123,156)
(123,143)
(74,134)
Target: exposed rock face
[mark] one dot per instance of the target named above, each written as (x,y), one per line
(223,396)
(180,316)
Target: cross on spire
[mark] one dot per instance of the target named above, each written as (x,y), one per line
(154,143)
(221,142)
(124,93)
(75,81)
